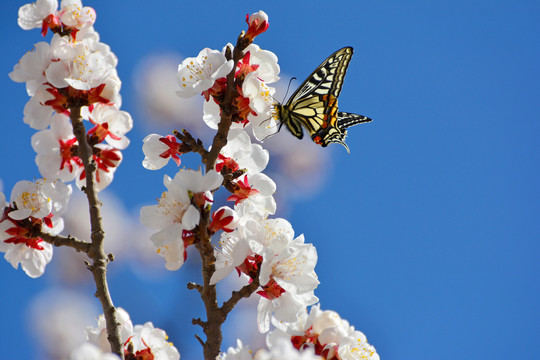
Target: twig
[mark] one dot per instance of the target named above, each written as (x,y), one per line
(236,296)
(58,240)
(193,286)
(96,251)
(199,339)
(190,144)
(198,322)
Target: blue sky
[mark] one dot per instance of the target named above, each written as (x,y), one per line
(427,233)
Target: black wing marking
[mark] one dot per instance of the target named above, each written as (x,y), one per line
(327,77)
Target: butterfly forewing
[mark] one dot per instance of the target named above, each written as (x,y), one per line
(327,77)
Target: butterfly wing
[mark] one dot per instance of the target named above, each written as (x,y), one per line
(327,78)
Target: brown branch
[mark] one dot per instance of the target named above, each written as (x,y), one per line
(226,106)
(198,322)
(236,296)
(96,251)
(212,326)
(58,240)
(214,314)
(189,144)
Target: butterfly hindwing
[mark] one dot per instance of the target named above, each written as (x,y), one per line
(314,104)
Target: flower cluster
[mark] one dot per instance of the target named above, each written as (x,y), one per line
(35,208)
(213,71)
(267,251)
(74,70)
(177,214)
(283,349)
(326,333)
(140,342)
(319,335)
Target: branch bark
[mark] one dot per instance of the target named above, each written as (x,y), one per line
(96,251)
(236,296)
(58,240)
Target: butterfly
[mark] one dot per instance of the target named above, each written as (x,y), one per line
(314,105)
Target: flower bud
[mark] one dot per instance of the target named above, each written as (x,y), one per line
(225,219)
(258,23)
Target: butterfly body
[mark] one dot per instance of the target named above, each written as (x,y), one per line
(314,105)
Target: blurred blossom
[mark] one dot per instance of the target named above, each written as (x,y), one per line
(58,319)
(156,86)
(146,264)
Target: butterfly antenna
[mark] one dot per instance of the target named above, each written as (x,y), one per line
(288,87)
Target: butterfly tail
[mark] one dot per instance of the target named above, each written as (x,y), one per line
(345,120)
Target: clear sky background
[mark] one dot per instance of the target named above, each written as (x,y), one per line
(427,233)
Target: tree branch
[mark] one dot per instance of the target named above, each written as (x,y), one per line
(212,326)
(58,240)
(215,318)
(96,251)
(236,296)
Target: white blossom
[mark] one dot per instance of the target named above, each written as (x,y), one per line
(175,213)
(39,199)
(283,349)
(98,335)
(52,147)
(291,267)
(44,200)
(262,203)
(36,115)
(65,48)
(196,75)
(118,124)
(32,66)
(31,15)
(234,248)
(32,259)
(268,68)
(147,337)
(158,150)
(111,90)
(141,337)
(86,71)
(240,352)
(326,327)
(356,347)
(73,14)
(252,157)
